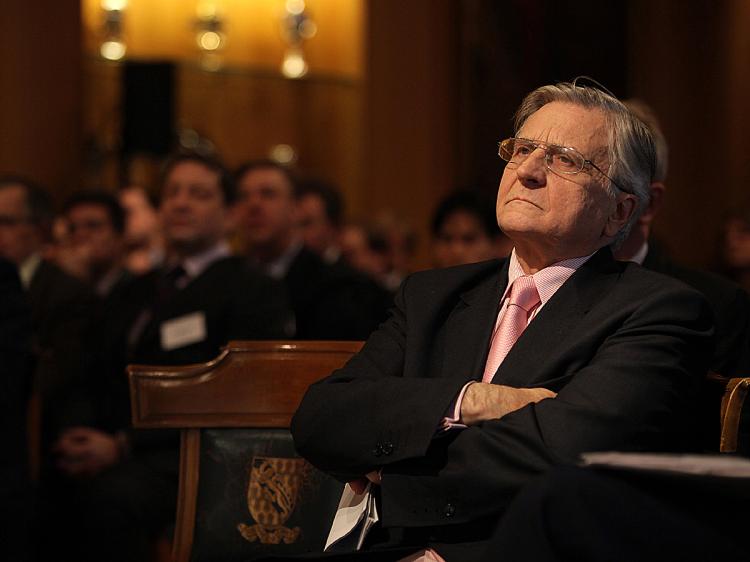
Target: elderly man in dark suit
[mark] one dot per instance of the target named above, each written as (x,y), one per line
(491,373)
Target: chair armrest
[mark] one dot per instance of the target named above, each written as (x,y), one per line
(731,412)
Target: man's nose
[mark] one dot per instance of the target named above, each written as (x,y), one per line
(532,172)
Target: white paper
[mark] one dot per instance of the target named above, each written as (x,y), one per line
(183,331)
(353,509)
(711,465)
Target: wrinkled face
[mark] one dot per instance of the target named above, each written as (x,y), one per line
(192,208)
(91,230)
(19,238)
(265,208)
(556,214)
(317,231)
(462,240)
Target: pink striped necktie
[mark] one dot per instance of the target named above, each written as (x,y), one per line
(523,299)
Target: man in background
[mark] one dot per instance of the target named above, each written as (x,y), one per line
(94,248)
(464,230)
(329,302)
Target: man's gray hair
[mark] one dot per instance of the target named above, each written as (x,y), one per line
(631,148)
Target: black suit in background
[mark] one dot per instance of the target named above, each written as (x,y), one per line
(731,307)
(15,385)
(730,304)
(333,301)
(624,347)
(126,505)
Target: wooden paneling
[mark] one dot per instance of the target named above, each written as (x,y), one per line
(690,62)
(410,109)
(40,87)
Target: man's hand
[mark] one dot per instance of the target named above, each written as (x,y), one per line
(84,451)
(359,485)
(485,401)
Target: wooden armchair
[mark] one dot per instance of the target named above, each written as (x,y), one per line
(732,403)
(243,491)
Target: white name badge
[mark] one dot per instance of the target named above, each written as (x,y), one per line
(183,331)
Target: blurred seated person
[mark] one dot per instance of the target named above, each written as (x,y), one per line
(62,307)
(735,247)
(122,484)
(93,248)
(15,385)
(464,230)
(319,214)
(144,243)
(329,302)
(729,302)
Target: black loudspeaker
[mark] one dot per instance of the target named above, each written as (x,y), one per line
(148,90)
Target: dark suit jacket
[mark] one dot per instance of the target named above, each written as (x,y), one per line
(730,304)
(333,301)
(237,302)
(624,347)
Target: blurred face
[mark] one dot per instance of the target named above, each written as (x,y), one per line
(19,238)
(265,209)
(357,252)
(91,230)
(737,244)
(462,240)
(317,232)
(192,209)
(552,216)
(141,219)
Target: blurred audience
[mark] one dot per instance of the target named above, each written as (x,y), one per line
(464,230)
(122,484)
(144,243)
(329,302)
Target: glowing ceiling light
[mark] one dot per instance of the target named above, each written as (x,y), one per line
(210,40)
(294,65)
(113,50)
(295,7)
(114,5)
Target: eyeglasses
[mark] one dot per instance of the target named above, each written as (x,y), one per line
(559,159)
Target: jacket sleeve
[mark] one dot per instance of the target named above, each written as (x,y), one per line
(368,414)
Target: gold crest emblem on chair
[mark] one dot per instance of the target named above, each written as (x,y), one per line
(271,499)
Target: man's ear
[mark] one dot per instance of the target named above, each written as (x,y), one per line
(655,202)
(621,214)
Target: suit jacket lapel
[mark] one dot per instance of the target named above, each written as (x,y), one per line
(545,339)
(469,327)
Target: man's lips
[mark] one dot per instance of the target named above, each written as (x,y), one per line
(523,200)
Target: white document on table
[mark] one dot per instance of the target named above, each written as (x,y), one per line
(707,465)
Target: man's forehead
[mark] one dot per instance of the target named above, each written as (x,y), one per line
(567,124)
(265,178)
